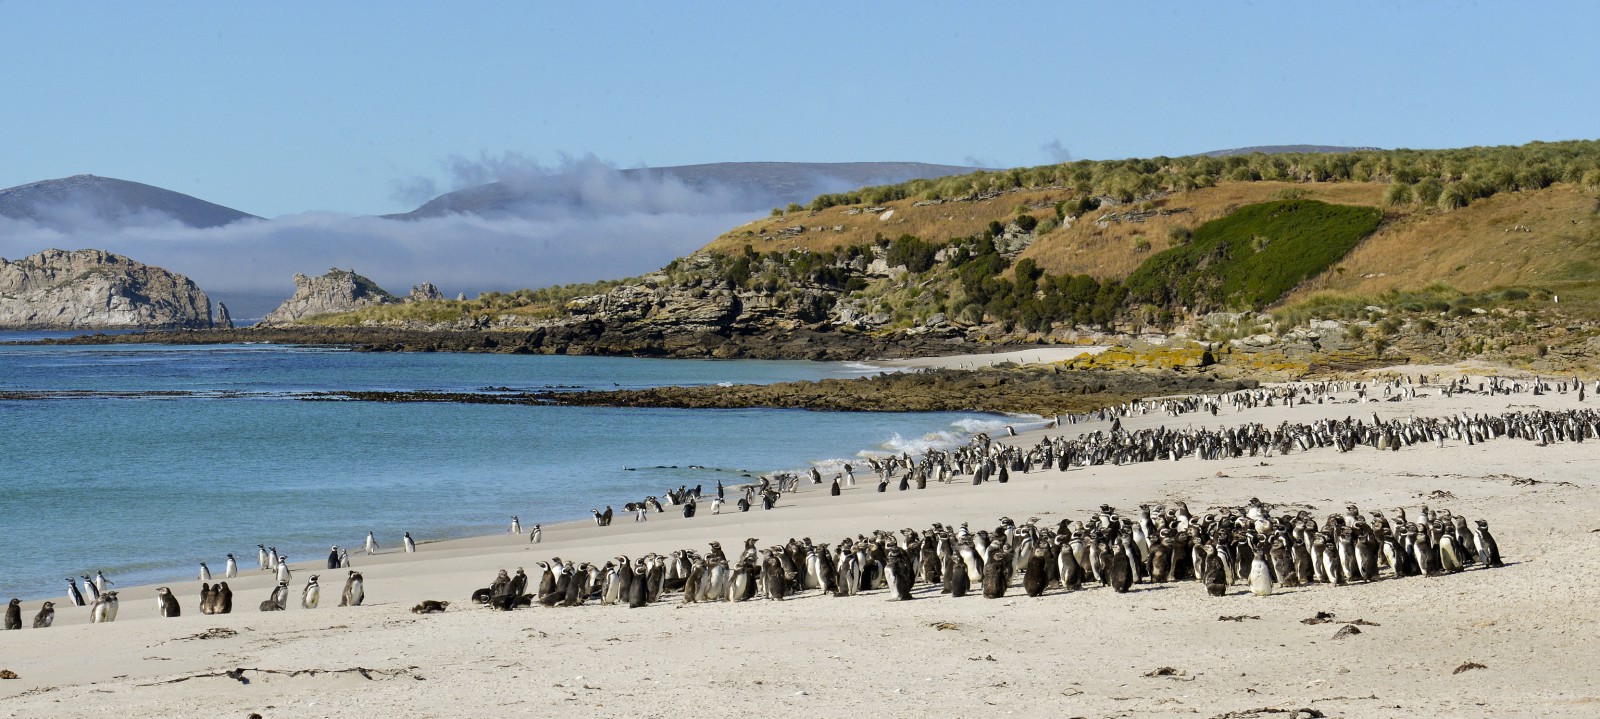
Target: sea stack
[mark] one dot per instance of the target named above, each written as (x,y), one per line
(222,321)
(337,291)
(95,289)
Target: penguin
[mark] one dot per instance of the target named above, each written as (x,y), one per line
(333,557)
(73,595)
(344,559)
(232,568)
(353,594)
(1260,574)
(430,606)
(899,573)
(692,583)
(310,595)
(516,525)
(772,580)
(996,573)
(1035,574)
(205,572)
(104,609)
(834,490)
(45,617)
(14,614)
(1119,571)
(537,535)
(1067,566)
(1213,574)
(960,580)
(261,557)
(221,599)
(1488,549)
(638,592)
(411,544)
(371,544)
(283,569)
(100,581)
(90,588)
(207,598)
(167,604)
(276,601)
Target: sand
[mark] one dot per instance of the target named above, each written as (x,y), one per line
(1085,653)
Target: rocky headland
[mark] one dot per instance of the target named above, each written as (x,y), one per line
(93,289)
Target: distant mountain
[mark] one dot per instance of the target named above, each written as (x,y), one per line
(756,184)
(70,201)
(1285,149)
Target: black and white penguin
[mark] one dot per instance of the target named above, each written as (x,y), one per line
(411,544)
(1119,571)
(1213,574)
(333,557)
(516,525)
(311,593)
(354,593)
(344,559)
(73,595)
(899,573)
(834,490)
(261,557)
(100,581)
(14,614)
(638,589)
(271,603)
(537,535)
(46,616)
(104,608)
(283,568)
(231,570)
(166,604)
(772,579)
(205,572)
(371,544)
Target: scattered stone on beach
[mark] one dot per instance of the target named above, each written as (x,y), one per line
(1468,667)
(944,626)
(8,674)
(1321,618)
(1166,672)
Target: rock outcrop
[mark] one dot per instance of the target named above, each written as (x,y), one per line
(424,291)
(94,289)
(337,291)
(223,320)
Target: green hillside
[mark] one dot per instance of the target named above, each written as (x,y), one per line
(1251,258)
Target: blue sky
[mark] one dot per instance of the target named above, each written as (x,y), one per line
(280,108)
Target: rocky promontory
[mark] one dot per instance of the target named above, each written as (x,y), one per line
(337,291)
(94,289)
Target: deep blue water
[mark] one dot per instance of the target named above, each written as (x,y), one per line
(146,488)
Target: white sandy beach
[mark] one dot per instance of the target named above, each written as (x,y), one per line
(1083,653)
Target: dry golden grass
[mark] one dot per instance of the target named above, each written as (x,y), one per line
(1471,249)
(1109,252)
(933,223)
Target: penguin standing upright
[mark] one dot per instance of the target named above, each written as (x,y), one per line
(354,592)
(834,490)
(283,569)
(1260,574)
(371,544)
(73,595)
(208,599)
(537,535)
(411,544)
(46,616)
(1036,573)
(100,581)
(205,572)
(1119,571)
(1213,574)
(104,609)
(261,557)
(333,557)
(516,525)
(232,568)
(14,614)
(310,595)
(167,604)
(222,599)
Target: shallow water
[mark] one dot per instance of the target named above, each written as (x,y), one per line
(146,488)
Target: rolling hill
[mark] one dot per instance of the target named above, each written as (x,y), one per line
(71,201)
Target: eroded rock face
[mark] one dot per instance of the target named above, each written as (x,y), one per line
(424,291)
(223,320)
(337,291)
(94,289)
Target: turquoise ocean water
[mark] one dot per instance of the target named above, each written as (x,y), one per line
(146,488)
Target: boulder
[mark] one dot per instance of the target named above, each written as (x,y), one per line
(223,321)
(94,289)
(337,291)
(424,291)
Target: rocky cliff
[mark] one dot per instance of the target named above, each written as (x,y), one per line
(93,289)
(337,291)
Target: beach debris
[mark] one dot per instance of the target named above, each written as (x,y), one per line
(1237,617)
(212,633)
(1345,631)
(1301,713)
(1468,667)
(1441,494)
(984,658)
(238,674)
(1321,618)
(1166,672)
(944,626)
(7,674)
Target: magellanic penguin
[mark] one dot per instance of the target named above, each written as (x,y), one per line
(1036,573)
(208,598)
(411,544)
(1488,549)
(205,572)
(283,569)
(333,557)
(1119,571)
(46,616)
(104,609)
(1260,574)
(221,599)
(310,595)
(996,572)
(371,544)
(232,568)
(167,604)
(516,525)
(14,614)
(73,595)
(960,582)
(899,573)
(353,593)
(1213,573)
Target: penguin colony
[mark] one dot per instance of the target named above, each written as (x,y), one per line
(1238,546)
(1229,547)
